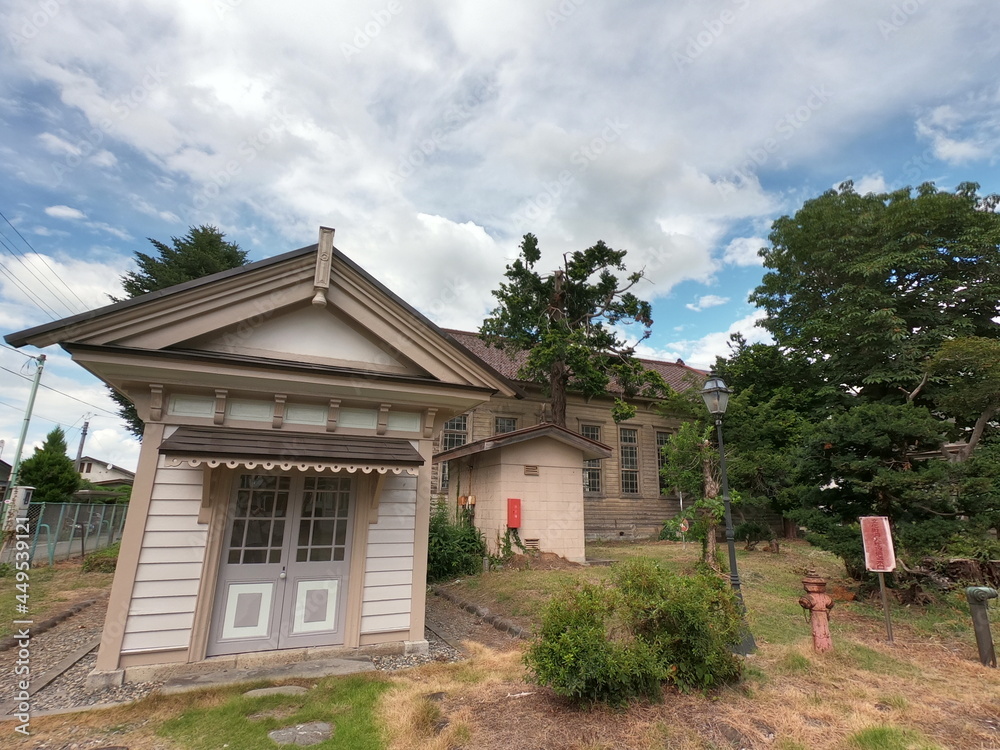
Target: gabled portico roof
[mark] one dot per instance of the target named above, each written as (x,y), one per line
(213,318)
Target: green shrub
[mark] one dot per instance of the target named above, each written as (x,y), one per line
(455,548)
(651,626)
(753,533)
(577,655)
(102,561)
(691,622)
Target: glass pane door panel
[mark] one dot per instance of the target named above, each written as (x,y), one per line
(259,522)
(323,527)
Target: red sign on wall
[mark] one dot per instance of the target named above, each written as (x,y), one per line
(880,557)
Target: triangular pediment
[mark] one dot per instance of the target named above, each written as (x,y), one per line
(313,305)
(307,333)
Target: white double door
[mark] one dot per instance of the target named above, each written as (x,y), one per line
(284,565)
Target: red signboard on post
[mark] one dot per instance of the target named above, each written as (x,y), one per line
(880,557)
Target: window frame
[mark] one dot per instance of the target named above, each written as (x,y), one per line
(662,438)
(592,466)
(496,424)
(452,436)
(628,463)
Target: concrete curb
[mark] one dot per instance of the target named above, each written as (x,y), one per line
(500,623)
(40,627)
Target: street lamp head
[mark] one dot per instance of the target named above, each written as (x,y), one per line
(716,395)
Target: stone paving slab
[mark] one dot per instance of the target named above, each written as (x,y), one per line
(310,669)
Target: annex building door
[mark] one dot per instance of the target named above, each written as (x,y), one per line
(285,564)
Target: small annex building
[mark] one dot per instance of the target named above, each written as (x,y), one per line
(528,482)
(282,495)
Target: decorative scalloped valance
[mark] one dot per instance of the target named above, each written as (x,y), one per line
(280,450)
(264,465)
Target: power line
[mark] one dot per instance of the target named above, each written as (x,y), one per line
(44,260)
(16,351)
(71,428)
(19,257)
(28,294)
(56,390)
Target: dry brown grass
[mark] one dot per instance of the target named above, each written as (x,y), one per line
(928,686)
(793,698)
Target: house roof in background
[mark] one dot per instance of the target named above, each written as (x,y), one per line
(678,375)
(107,464)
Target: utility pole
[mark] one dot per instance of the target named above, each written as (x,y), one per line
(24,434)
(79,451)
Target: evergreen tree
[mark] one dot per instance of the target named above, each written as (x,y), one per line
(201,252)
(50,471)
(566,324)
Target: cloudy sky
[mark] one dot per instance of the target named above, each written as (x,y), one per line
(432,136)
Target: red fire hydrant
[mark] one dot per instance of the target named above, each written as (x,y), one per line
(818,604)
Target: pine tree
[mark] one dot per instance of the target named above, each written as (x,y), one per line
(50,471)
(202,251)
(567,325)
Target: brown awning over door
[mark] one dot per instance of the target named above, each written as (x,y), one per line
(305,451)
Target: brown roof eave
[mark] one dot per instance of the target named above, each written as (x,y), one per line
(596,449)
(259,362)
(22,338)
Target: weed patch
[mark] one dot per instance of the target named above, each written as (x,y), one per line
(889,738)
(348,703)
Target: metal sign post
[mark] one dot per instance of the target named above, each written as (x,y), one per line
(880,557)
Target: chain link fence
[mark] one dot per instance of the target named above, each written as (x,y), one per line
(59,531)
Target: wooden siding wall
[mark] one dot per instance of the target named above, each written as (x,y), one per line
(173,546)
(389,565)
(608,514)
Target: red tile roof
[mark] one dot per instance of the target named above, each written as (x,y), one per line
(678,375)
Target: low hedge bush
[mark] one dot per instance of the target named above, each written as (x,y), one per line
(455,547)
(648,628)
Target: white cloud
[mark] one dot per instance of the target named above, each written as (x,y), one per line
(114,446)
(65,212)
(964,131)
(56,145)
(104,158)
(870,183)
(702,352)
(102,226)
(444,139)
(742,251)
(709,300)
(43,281)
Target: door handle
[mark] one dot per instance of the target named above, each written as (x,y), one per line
(282,575)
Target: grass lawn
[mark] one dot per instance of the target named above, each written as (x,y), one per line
(925,691)
(50,590)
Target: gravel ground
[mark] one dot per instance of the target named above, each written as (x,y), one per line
(448,626)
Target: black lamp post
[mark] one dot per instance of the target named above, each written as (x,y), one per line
(716,396)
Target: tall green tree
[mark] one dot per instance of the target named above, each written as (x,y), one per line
(201,252)
(50,471)
(776,397)
(566,324)
(891,300)
(868,287)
